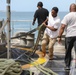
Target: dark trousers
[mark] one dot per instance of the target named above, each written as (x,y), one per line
(69,43)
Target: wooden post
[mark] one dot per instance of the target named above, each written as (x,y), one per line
(8,1)
(8,30)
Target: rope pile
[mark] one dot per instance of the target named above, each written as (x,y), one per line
(45,71)
(9,67)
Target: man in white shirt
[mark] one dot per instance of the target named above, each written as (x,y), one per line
(69,23)
(51,32)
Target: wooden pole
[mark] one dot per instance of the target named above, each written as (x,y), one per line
(8,1)
(8,30)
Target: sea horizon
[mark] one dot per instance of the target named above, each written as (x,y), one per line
(25,15)
(22,25)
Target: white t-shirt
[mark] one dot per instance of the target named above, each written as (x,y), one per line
(53,22)
(70,21)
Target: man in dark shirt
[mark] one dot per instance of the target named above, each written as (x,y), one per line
(40,14)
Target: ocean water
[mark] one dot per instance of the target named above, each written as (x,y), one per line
(18,15)
(24,15)
(17,26)
(29,15)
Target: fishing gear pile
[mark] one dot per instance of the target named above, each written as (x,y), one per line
(9,67)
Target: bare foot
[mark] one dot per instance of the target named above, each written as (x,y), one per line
(42,54)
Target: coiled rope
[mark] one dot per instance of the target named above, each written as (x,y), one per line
(42,69)
(9,67)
